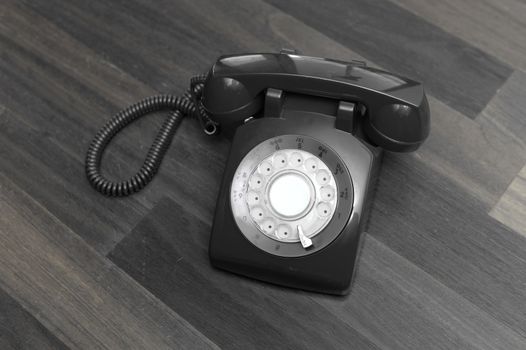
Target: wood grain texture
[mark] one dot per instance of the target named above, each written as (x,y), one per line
(402,307)
(20,330)
(393,304)
(401,41)
(82,298)
(506,114)
(148,40)
(53,131)
(436,225)
(496,27)
(511,207)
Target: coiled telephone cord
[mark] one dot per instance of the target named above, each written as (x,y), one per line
(179,107)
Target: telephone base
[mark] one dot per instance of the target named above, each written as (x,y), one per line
(327,267)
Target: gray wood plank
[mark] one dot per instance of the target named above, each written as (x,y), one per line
(457,73)
(59,125)
(511,207)
(445,231)
(496,27)
(393,303)
(506,114)
(61,185)
(397,302)
(152,42)
(52,132)
(77,294)
(475,157)
(20,330)
(167,254)
(45,40)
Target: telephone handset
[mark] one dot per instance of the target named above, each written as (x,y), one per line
(307,138)
(397,110)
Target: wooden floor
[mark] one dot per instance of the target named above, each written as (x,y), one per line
(444,260)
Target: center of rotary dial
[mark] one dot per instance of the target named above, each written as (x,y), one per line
(291,196)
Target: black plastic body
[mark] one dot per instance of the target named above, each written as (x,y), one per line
(354,110)
(396,113)
(327,271)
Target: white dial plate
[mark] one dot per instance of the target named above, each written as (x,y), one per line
(290,194)
(284,192)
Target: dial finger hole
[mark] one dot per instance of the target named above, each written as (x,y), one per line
(268,226)
(311,164)
(253,198)
(257,213)
(323,177)
(296,159)
(256,181)
(284,231)
(327,193)
(323,209)
(265,168)
(280,160)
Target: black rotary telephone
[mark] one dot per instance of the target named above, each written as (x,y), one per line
(307,138)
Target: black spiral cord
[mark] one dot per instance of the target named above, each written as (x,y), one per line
(179,106)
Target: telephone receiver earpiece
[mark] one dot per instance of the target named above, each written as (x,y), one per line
(396,114)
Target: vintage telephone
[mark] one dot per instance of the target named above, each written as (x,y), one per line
(307,141)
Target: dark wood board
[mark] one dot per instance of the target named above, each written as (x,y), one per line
(489,25)
(451,237)
(65,113)
(84,299)
(20,330)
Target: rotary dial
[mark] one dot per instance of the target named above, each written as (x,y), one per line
(294,191)
(291,193)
